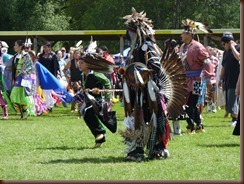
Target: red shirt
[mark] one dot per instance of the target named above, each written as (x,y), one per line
(194,61)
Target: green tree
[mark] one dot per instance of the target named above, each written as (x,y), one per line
(108,14)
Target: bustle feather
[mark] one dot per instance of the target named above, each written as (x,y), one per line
(95,62)
(174,81)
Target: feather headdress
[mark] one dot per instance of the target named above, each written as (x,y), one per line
(191,26)
(139,23)
(78,45)
(28,42)
(94,61)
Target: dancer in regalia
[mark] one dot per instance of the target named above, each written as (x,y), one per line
(196,60)
(151,82)
(96,110)
(21,81)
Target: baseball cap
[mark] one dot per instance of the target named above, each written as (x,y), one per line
(227,36)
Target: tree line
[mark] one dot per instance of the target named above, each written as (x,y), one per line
(58,15)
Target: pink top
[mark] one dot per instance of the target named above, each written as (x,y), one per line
(215,63)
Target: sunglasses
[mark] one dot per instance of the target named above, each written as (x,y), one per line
(224,43)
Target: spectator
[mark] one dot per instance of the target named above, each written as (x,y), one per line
(74,77)
(103,51)
(70,55)
(212,87)
(229,75)
(48,59)
(205,79)
(65,55)
(220,91)
(62,64)
(121,61)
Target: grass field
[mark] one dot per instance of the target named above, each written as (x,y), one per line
(58,146)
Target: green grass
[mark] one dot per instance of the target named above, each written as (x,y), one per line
(58,146)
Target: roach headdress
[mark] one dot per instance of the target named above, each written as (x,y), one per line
(190,26)
(140,24)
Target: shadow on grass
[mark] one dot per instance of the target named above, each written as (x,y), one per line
(206,117)
(220,126)
(99,160)
(64,148)
(225,145)
(58,115)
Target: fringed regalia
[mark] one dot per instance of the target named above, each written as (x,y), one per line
(150,93)
(195,62)
(22,66)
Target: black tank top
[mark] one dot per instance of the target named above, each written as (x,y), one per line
(74,72)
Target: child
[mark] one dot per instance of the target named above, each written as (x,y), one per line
(95,111)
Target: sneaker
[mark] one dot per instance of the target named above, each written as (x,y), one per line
(5,117)
(200,129)
(214,110)
(176,126)
(209,109)
(233,123)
